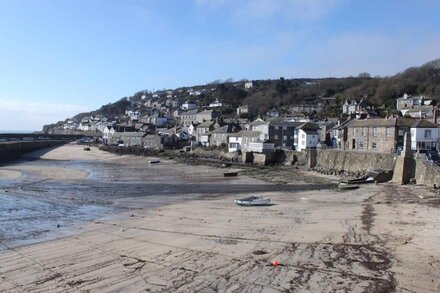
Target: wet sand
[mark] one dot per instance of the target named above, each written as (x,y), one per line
(379,238)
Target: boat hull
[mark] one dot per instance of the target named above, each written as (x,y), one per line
(230,174)
(252,201)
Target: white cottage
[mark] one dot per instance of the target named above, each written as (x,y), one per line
(424,136)
(307,137)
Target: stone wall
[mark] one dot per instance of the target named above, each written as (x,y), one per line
(354,161)
(263,159)
(74,132)
(427,174)
(13,150)
(286,157)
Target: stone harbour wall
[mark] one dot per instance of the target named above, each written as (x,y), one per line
(352,161)
(13,150)
(427,174)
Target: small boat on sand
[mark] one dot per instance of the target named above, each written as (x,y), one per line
(230,174)
(87,149)
(255,200)
(347,186)
(154,161)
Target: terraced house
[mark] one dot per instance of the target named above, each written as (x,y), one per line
(387,135)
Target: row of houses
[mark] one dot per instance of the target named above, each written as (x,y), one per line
(385,135)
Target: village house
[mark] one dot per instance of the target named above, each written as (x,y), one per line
(351,107)
(425,136)
(188,106)
(183,134)
(124,128)
(261,126)
(240,141)
(307,136)
(174,103)
(282,133)
(133,115)
(339,134)
(152,141)
(70,125)
(273,113)
(85,124)
(408,101)
(107,134)
(189,117)
(177,112)
(157,119)
(306,108)
(266,146)
(127,138)
(204,128)
(248,85)
(243,109)
(242,124)
(387,135)
(220,135)
(206,115)
(418,111)
(215,104)
(324,131)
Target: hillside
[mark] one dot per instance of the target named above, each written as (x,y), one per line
(280,93)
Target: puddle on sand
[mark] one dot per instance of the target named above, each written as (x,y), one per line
(25,219)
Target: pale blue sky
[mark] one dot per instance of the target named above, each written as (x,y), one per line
(59,57)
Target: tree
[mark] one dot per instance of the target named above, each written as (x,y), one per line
(364,75)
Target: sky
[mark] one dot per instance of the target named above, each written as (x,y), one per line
(62,57)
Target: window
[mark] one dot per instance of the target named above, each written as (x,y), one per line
(292,137)
(285,137)
(284,127)
(388,131)
(374,131)
(364,131)
(276,136)
(303,135)
(428,133)
(276,127)
(360,144)
(373,146)
(354,131)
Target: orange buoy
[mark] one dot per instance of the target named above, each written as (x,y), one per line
(275,263)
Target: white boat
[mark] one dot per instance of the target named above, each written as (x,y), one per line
(255,200)
(154,161)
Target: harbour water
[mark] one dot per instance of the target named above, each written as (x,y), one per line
(56,194)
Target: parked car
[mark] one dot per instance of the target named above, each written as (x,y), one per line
(433,157)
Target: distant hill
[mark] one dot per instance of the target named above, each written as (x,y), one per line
(280,93)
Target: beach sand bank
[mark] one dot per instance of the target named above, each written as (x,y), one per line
(378,238)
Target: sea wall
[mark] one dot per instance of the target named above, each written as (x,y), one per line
(351,161)
(14,149)
(287,157)
(427,174)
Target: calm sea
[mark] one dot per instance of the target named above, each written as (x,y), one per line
(16,131)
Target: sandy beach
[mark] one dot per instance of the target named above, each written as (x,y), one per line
(174,228)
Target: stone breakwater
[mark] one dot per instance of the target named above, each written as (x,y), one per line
(13,150)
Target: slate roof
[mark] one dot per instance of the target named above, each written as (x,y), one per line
(190,112)
(246,134)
